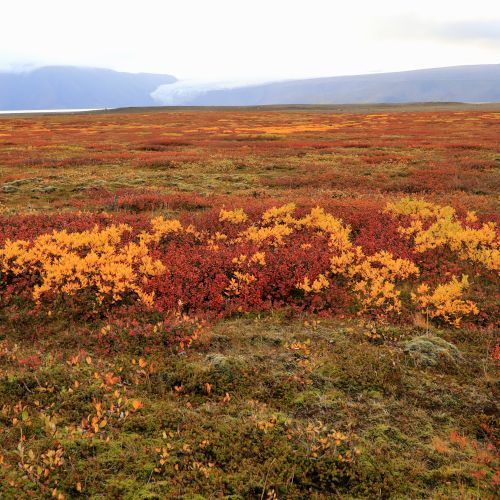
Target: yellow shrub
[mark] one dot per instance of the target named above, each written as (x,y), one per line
(322,220)
(419,209)
(340,264)
(279,215)
(375,277)
(161,227)
(320,283)
(90,260)
(442,228)
(445,301)
(235,216)
(258,258)
(260,234)
(235,283)
(240,260)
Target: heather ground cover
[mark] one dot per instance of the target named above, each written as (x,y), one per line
(249,304)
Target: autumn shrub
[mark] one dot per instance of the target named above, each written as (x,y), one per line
(260,257)
(445,301)
(69,263)
(431,226)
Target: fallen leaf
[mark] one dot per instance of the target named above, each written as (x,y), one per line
(137,405)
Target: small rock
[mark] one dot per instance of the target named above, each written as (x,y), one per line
(9,188)
(45,189)
(20,182)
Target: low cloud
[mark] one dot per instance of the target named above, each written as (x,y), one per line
(458,31)
(470,30)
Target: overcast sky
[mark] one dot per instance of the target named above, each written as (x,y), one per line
(250,39)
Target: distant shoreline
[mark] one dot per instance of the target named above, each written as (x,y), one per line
(43,111)
(328,108)
(320,108)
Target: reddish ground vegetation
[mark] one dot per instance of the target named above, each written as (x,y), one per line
(249,304)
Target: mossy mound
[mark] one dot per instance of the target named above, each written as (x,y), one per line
(9,188)
(431,351)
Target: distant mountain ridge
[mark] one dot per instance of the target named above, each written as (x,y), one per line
(69,87)
(66,87)
(478,83)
